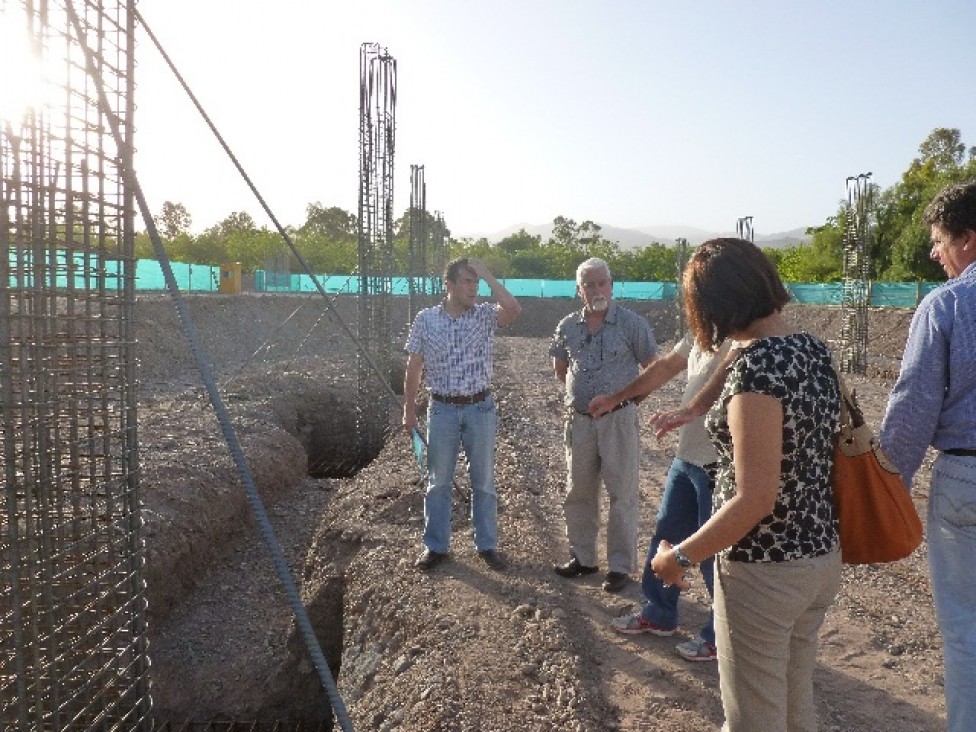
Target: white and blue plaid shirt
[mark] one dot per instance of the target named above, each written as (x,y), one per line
(456,351)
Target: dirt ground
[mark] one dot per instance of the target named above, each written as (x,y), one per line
(463,648)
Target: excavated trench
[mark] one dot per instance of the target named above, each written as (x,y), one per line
(326,425)
(332,440)
(283,692)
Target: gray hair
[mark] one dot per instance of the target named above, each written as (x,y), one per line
(592,263)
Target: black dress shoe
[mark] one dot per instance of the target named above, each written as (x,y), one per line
(492,559)
(429,559)
(615,581)
(573,568)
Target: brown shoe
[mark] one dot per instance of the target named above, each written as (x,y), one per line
(573,568)
(429,559)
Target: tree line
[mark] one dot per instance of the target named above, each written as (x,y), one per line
(328,239)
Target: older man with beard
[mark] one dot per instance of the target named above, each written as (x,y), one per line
(599,350)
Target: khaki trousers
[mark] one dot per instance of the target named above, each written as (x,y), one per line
(767,618)
(607,448)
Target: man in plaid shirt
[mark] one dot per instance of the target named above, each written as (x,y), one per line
(451,344)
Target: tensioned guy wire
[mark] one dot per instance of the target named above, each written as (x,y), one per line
(223,416)
(360,346)
(274,219)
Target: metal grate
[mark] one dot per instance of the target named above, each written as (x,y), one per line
(72,599)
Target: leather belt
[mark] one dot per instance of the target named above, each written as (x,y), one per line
(960,452)
(462,399)
(622,404)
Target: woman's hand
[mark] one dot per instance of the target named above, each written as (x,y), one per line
(664,422)
(666,567)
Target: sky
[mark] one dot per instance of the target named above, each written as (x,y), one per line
(628,113)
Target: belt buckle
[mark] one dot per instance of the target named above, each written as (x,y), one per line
(462,399)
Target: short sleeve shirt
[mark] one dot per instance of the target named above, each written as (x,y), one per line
(797,371)
(456,351)
(605,361)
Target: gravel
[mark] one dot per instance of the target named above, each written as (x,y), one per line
(465,647)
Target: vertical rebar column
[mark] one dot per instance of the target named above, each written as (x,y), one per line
(377,131)
(680,261)
(856,284)
(72,595)
(440,253)
(417,255)
(743,228)
(277,272)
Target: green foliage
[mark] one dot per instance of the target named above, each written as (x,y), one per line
(804,263)
(521,241)
(142,247)
(899,239)
(565,234)
(819,261)
(900,228)
(653,263)
(332,223)
(529,265)
(173,220)
(328,239)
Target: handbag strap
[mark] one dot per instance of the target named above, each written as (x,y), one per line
(850,410)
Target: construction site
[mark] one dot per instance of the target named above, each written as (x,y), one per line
(210,512)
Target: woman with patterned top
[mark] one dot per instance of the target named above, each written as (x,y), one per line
(773,529)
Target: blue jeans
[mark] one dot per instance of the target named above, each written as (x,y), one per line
(685,506)
(449,427)
(952,556)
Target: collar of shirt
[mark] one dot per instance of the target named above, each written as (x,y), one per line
(441,307)
(610,317)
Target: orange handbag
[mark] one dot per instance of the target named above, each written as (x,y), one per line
(878,520)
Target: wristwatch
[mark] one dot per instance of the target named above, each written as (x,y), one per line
(682,558)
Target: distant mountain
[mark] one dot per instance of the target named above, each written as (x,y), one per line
(666,235)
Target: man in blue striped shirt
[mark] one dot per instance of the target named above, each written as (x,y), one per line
(934,403)
(451,343)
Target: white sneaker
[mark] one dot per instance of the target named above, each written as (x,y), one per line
(635,623)
(697,649)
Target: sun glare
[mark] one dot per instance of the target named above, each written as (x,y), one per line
(23,85)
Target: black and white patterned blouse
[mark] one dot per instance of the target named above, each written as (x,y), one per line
(797,370)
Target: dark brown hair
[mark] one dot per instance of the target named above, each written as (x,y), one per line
(728,284)
(453,269)
(953,208)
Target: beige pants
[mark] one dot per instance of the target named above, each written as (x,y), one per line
(767,617)
(609,449)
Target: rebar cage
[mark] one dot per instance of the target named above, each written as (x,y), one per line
(856,284)
(72,599)
(418,281)
(377,136)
